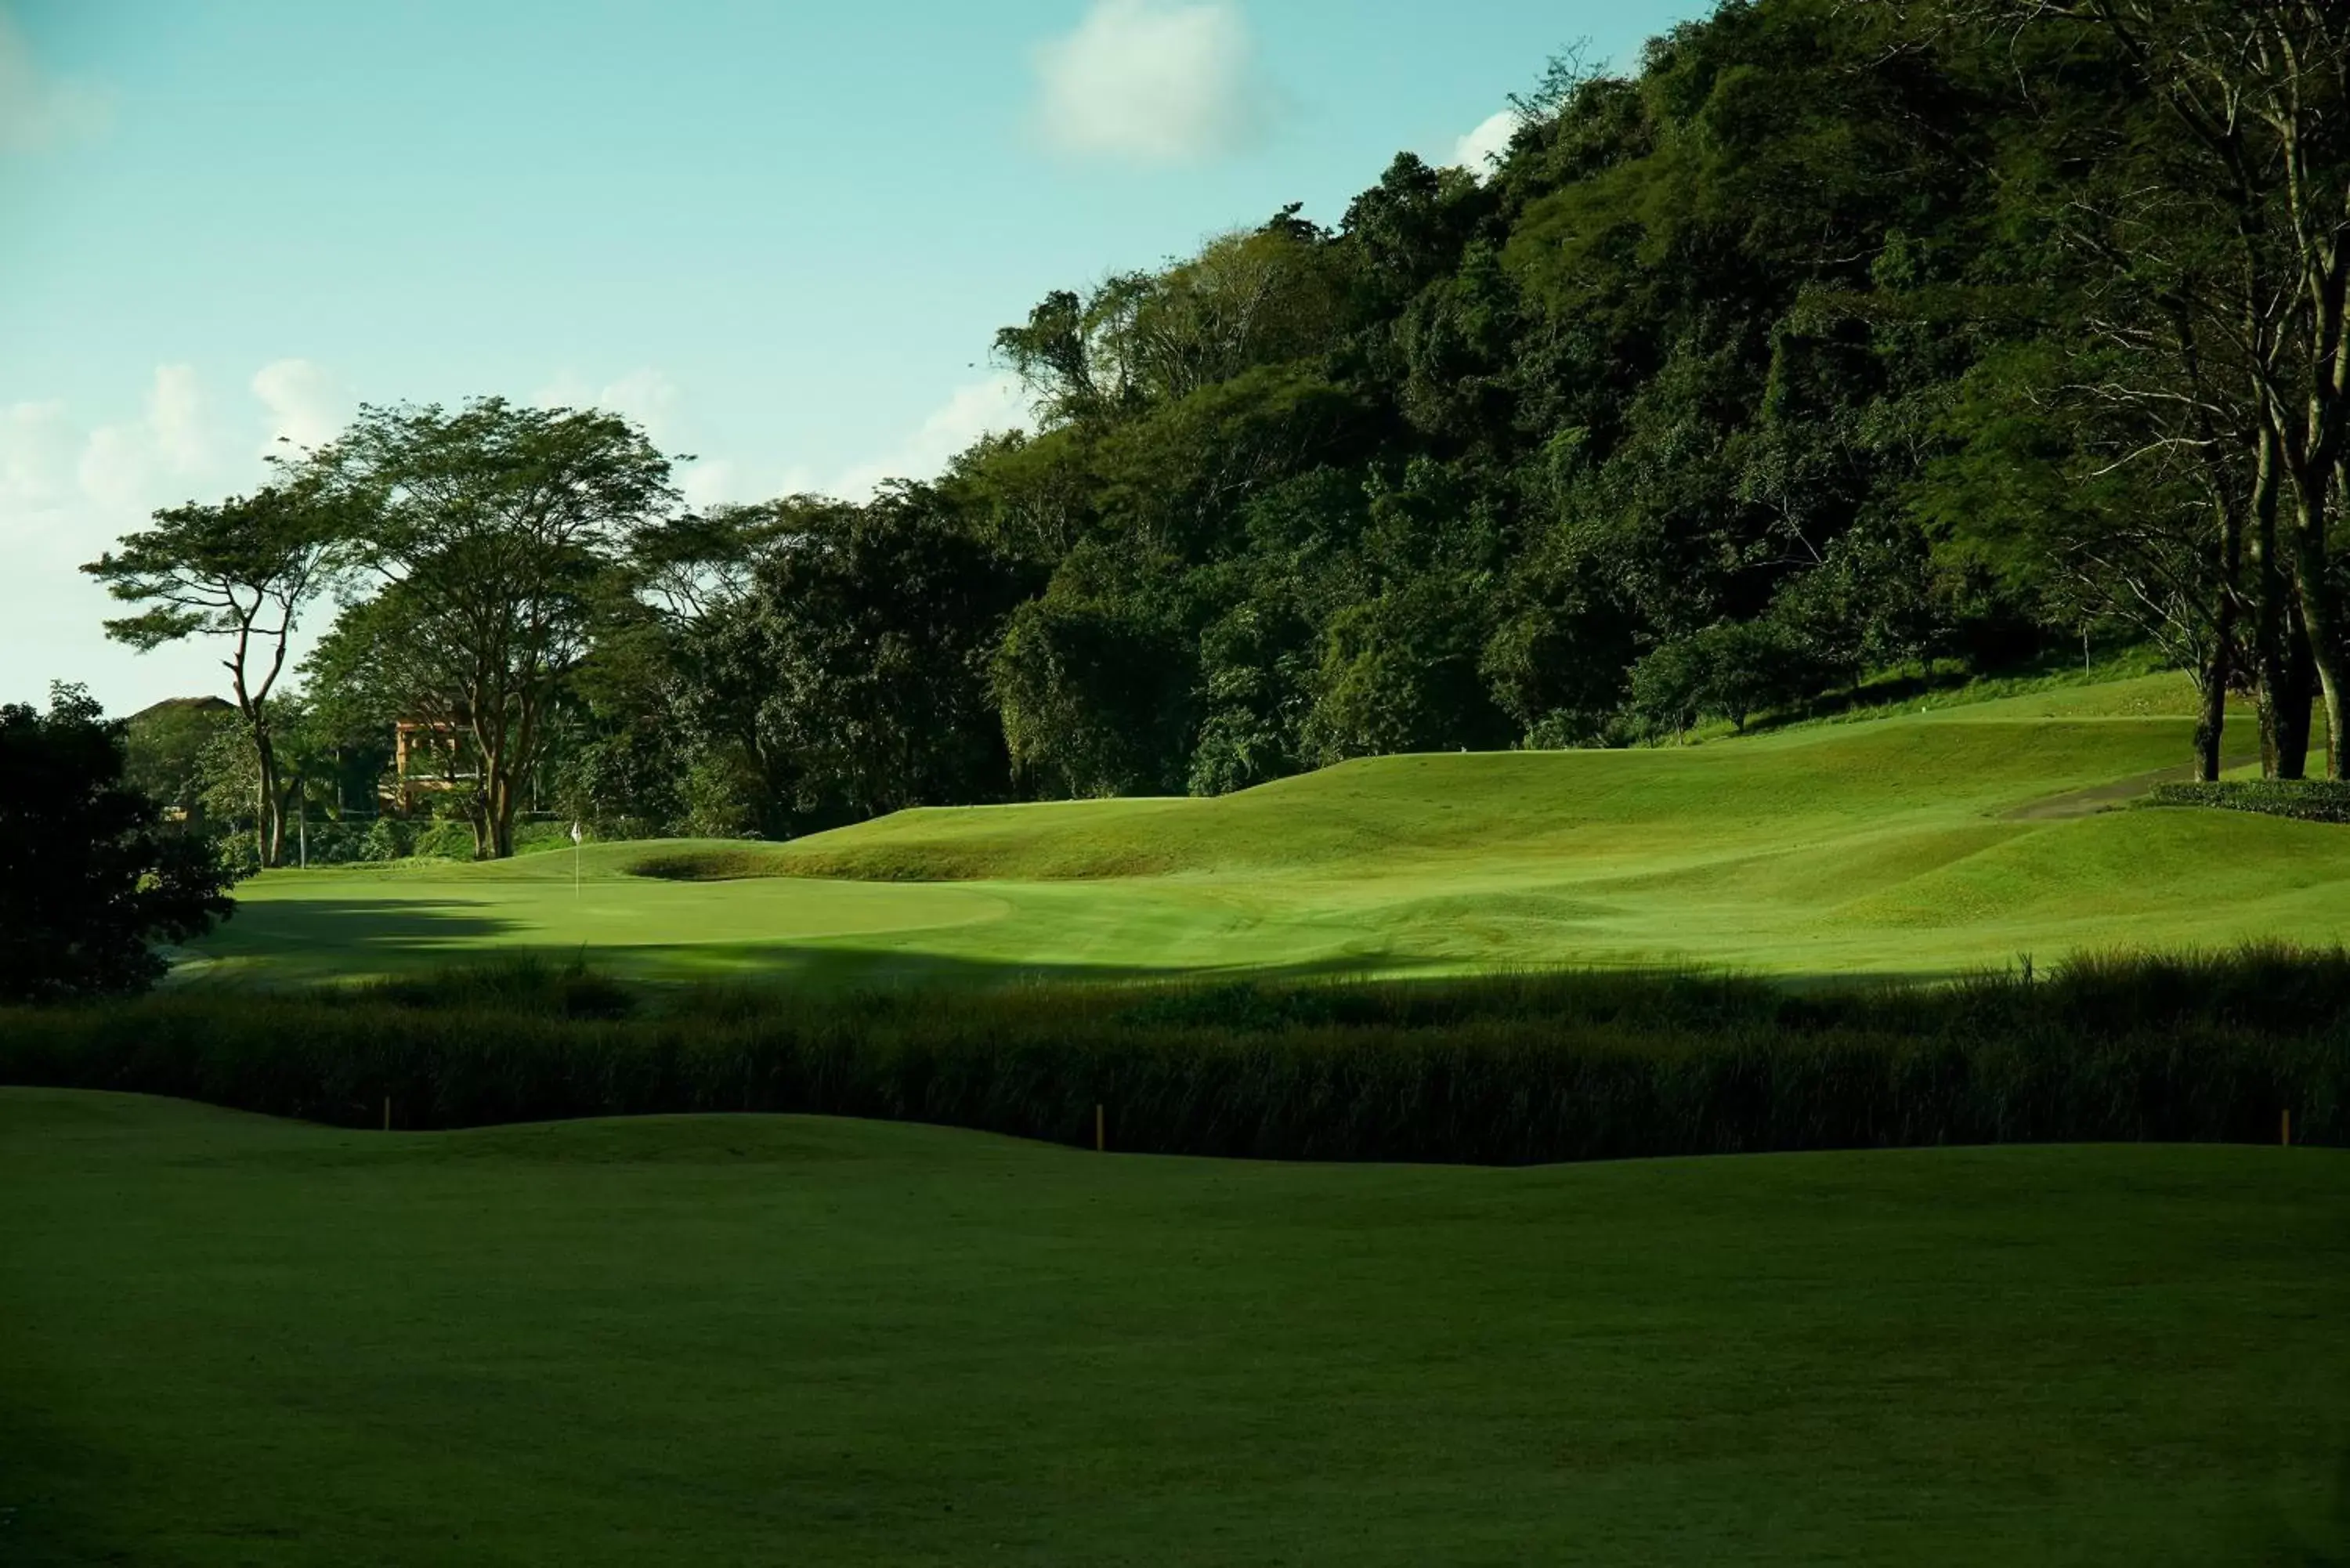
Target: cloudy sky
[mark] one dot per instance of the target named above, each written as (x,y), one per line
(779,232)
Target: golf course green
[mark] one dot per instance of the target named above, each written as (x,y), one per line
(1924,844)
(772,1340)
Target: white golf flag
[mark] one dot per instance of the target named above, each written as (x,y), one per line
(576,833)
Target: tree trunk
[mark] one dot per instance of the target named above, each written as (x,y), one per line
(2330,691)
(501,814)
(2272,592)
(2217,674)
(493,818)
(489,779)
(2210,723)
(270,825)
(2319,614)
(2294,688)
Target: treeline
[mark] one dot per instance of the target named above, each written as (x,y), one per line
(1837,338)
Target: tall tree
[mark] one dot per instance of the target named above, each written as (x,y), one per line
(499,540)
(245,570)
(2242,199)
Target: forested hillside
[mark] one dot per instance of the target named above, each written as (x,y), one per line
(1836,339)
(1631,430)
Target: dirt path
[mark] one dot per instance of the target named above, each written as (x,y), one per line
(2105,797)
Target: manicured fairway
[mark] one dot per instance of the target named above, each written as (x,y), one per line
(784,1341)
(1921,845)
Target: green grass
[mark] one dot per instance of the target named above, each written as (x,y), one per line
(754,1340)
(737,1339)
(1927,845)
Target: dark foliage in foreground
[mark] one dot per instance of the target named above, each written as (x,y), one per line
(89,875)
(1506,1070)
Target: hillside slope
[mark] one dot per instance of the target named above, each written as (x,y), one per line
(1922,844)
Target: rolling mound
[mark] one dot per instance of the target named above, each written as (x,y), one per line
(1365,815)
(1922,844)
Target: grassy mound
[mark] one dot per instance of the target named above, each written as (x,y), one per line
(754,1339)
(1927,844)
(1556,806)
(705,865)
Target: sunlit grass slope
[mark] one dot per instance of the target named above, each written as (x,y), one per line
(740,1339)
(1919,843)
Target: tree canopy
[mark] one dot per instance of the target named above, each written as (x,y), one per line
(497,536)
(243,570)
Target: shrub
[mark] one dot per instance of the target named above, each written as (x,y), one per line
(327,842)
(387,838)
(2306,800)
(444,839)
(1508,1070)
(89,877)
(236,851)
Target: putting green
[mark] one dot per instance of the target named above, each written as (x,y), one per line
(765,1340)
(1923,843)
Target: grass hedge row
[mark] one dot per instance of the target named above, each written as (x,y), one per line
(2308,800)
(1505,1071)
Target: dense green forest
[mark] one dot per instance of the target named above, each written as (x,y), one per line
(1838,340)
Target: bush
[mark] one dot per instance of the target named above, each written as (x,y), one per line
(387,838)
(446,838)
(236,852)
(328,842)
(90,878)
(1509,1070)
(1567,730)
(2306,800)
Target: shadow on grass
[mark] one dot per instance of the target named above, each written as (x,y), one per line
(328,942)
(377,928)
(412,943)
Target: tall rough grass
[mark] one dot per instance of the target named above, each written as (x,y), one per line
(1502,1070)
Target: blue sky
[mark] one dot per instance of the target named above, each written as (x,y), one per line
(781,234)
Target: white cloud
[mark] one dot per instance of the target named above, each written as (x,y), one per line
(70,486)
(133,465)
(709,481)
(37,442)
(175,416)
(38,112)
(304,405)
(1478,151)
(656,404)
(68,489)
(982,407)
(1151,82)
(644,396)
(649,398)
